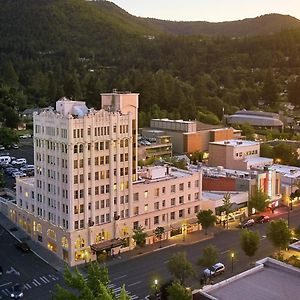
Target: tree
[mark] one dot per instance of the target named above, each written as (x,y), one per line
(248,131)
(227,206)
(206,218)
(270,89)
(139,236)
(176,291)
(123,294)
(209,257)
(249,242)
(266,150)
(258,201)
(8,136)
(286,153)
(94,287)
(180,267)
(159,231)
(279,233)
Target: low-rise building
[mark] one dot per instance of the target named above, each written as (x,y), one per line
(237,155)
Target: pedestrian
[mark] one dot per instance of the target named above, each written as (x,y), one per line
(224,223)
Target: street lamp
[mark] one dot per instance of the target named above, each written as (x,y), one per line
(156,288)
(232,257)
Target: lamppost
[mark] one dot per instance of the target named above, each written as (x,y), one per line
(156,289)
(232,257)
(183,232)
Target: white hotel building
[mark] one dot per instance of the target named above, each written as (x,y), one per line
(87,195)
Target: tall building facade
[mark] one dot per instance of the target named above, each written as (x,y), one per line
(83,198)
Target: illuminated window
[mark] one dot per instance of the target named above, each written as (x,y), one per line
(64,242)
(51,234)
(39,227)
(146,207)
(146,194)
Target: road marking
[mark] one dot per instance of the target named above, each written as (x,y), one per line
(135,283)
(134,297)
(12,270)
(53,277)
(111,285)
(226,251)
(27,286)
(117,278)
(158,249)
(42,279)
(34,283)
(117,289)
(4,284)
(7,291)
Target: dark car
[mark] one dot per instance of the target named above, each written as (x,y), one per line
(23,246)
(17,291)
(262,219)
(247,223)
(1,270)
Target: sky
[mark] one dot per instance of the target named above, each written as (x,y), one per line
(208,10)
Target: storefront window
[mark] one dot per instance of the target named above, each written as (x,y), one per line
(64,242)
(51,234)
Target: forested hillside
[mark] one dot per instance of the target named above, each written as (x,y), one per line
(74,48)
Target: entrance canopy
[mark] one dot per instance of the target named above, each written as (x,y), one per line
(107,245)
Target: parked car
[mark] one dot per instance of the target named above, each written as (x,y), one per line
(247,223)
(23,246)
(215,270)
(293,240)
(15,146)
(2,147)
(19,161)
(262,219)
(17,291)
(18,174)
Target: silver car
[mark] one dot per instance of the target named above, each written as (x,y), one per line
(216,269)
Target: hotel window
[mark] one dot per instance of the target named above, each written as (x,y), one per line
(163,217)
(197,183)
(189,211)
(146,194)
(97,190)
(163,203)
(75,209)
(96,175)
(189,197)
(97,205)
(181,186)
(97,220)
(136,196)
(146,208)
(156,192)
(136,210)
(189,184)
(172,201)
(164,190)
(156,205)
(181,200)
(102,203)
(196,209)
(173,188)
(75,164)
(81,178)
(172,215)
(156,219)
(81,163)
(181,213)
(75,179)
(80,193)
(81,223)
(75,149)
(196,196)
(81,208)
(76,225)
(136,225)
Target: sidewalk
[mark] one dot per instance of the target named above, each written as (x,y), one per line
(59,265)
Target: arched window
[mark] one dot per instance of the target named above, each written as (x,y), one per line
(79,243)
(64,242)
(75,149)
(81,148)
(51,234)
(39,228)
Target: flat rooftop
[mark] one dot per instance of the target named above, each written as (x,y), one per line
(219,195)
(236,143)
(270,279)
(287,171)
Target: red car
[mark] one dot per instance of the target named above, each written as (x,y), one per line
(262,219)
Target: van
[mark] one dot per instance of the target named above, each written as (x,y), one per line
(19,161)
(5,160)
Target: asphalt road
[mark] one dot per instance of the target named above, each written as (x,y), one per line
(37,277)
(138,274)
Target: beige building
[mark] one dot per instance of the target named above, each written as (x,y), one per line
(87,195)
(237,155)
(189,136)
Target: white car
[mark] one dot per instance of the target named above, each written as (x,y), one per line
(216,269)
(19,161)
(18,174)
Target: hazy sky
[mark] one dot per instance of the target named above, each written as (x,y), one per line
(208,10)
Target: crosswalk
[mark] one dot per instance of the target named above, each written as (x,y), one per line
(117,291)
(36,282)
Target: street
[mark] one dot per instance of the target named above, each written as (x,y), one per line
(139,273)
(37,277)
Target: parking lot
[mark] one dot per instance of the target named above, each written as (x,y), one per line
(25,151)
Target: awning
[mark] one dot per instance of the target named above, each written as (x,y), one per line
(107,245)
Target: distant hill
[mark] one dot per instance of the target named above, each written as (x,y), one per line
(266,24)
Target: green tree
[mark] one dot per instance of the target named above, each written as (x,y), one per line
(248,131)
(258,201)
(270,89)
(180,267)
(286,153)
(176,291)
(123,294)
(139,236)
(209,257)
(249,242)
(8,136)
(266,150)
(206,218)
(158,232)
(227,205)
(279,233)
(94,287)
